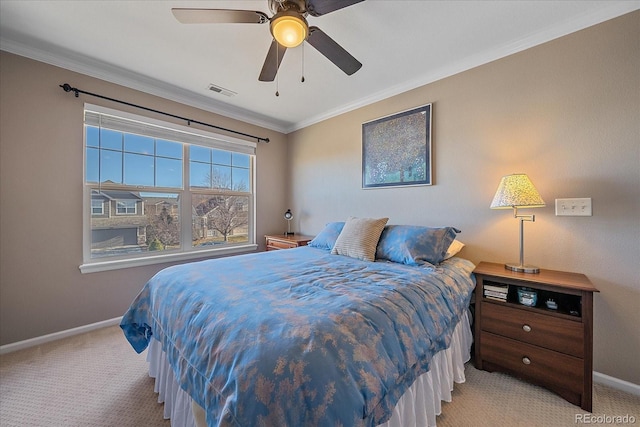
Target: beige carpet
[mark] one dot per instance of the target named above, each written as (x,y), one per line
(97,379)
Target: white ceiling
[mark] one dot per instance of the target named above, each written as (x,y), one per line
(401,44)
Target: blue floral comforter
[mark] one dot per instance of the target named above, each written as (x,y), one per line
(299,337)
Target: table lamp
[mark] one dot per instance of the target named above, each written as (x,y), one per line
(288,216)
(517,191)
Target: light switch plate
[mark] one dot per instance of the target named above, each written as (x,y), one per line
(574,207)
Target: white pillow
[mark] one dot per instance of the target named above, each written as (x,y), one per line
(359,238)
(455,247)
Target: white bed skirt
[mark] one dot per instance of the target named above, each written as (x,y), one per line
(418,406)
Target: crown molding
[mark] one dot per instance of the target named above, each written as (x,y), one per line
(95,68)
(92,67)
(607,12)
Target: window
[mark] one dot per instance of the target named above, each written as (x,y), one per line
(156,191)
(125,207)
(97,208)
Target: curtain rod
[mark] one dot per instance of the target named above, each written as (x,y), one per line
(67,88)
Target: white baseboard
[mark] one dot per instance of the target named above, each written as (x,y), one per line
(8,348)
(616,383)
(598,377)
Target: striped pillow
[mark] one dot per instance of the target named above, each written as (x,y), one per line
(359,238)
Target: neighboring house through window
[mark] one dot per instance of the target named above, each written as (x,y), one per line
(157,191)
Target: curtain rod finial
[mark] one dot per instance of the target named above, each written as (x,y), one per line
(67,88)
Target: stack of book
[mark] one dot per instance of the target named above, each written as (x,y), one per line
(496,292)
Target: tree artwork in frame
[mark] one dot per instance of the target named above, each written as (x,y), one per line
(396,149)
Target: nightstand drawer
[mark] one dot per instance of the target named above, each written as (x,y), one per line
(275,243)
(279,244)
(562,335)
(546,367)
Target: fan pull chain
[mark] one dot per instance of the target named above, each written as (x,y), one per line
(302,79)
(277,73)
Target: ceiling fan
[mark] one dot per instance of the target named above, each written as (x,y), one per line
(288,27)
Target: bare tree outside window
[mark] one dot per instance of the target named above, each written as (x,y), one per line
(224,216)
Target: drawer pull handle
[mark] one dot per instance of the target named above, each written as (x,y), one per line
(526,361)
(526,328)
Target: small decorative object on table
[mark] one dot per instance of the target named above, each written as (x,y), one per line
(527,296)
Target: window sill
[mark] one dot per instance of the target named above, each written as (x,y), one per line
(94,267)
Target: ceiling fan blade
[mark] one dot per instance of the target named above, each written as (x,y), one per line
(333,51)
(322,7)
(272,62)
(219,16)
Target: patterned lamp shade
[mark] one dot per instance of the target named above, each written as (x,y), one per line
(516,191)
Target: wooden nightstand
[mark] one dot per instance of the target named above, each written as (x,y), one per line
(550,347)
(275,242)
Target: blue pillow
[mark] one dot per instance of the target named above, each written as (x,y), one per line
(326,239)
(415,245)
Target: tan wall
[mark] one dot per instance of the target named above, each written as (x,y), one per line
(567,113)
(41,288)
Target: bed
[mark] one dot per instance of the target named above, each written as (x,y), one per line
(307,336)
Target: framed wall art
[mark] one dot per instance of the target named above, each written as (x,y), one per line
(396,149)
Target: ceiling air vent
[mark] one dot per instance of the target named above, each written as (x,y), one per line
(221,90)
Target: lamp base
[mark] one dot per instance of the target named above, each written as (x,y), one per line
(289,233)
(520,268)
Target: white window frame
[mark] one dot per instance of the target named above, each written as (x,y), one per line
(128,204)
(166,130)
(94,208)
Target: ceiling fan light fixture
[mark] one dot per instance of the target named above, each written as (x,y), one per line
(289,28)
